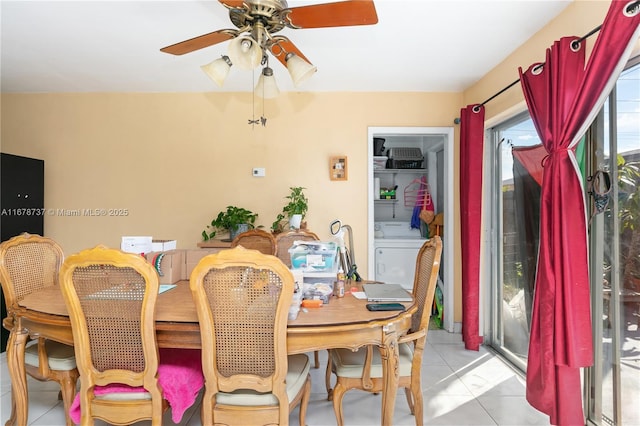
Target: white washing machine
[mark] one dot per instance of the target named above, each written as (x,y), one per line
(396,247)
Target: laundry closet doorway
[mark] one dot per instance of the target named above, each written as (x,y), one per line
(390,234)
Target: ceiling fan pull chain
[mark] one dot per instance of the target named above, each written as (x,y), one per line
(263,119)
(253,121)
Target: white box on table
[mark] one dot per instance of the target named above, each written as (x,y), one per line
(138,245)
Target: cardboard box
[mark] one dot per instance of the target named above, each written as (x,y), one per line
(193,256)
(136,245)
(169,265)
(163,245)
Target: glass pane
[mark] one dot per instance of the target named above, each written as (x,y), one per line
(621,320)
(520,192)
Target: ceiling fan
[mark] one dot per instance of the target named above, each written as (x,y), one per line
(258,21)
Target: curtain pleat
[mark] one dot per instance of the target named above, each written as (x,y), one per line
(563,97)
(471,155)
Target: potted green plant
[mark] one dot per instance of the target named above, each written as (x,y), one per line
(234,219)
(295,210)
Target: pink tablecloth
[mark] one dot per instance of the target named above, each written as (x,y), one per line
(179,375)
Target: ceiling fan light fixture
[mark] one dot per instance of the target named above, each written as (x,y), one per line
(218,69)
(267,87)
(299,69)
(245,52)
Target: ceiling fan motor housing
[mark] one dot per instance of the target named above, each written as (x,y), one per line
(269,12)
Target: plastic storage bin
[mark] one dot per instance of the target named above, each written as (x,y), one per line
(314,277)
(380,163)
(405,158)
(318,291)
(314,255)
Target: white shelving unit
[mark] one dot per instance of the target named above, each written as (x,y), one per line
(395,209)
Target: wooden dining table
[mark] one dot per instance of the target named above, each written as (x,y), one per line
(342,323)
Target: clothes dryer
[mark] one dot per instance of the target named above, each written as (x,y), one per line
(396,247)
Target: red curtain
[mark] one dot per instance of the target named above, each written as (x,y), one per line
(471,155)
(563,96)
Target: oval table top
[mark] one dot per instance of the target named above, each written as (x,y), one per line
(176,305)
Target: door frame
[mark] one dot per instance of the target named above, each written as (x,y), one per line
(449,191)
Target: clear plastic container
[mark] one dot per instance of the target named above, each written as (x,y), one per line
(380,163)
(294,308)
(313,255)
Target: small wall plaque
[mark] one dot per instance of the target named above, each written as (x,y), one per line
(338,168)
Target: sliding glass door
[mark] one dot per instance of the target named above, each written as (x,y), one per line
(516,176)
(613,389)
(610,159)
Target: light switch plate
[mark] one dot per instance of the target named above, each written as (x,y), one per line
(259,172)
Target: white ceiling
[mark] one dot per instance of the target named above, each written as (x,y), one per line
(114,46)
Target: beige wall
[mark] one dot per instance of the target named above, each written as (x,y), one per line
(175,160)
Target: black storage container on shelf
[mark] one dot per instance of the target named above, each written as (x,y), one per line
(405,158)
(378,147)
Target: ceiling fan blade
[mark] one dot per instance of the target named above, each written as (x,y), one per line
(199,42)
(234,4)
(284,46)
(338,14)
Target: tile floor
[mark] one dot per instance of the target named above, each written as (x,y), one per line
(460,388)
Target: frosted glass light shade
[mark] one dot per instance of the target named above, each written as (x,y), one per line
(218,70)
(299,69)
(245,52)
(267,87)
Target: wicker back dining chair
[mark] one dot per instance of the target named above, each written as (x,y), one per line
(111,298)
(284,241)
(29,263)
(242,299)
(363,369)
(256,239)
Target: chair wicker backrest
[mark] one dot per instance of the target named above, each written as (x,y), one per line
(111,297)
(28,263)
(256,239)
(426,279)
(242,298)
(285,240)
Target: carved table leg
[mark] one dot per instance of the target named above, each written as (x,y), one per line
(17,372)
(390,371)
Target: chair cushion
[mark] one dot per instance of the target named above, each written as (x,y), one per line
(124,396)
(179,376)
(61,356)
(350,364)
(296,377)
